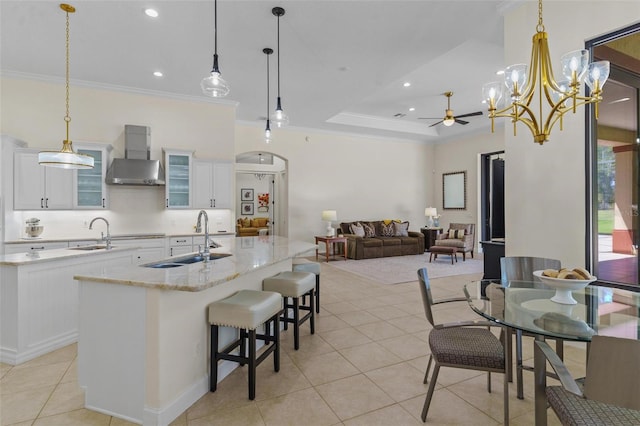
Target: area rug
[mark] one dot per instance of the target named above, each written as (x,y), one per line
(402,269)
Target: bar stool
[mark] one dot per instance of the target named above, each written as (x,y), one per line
(294,285)
(246,310)
(304,265)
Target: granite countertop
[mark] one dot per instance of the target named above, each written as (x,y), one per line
(115,237)
(40,256)
(247,254)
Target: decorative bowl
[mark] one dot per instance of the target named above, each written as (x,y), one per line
(563,287)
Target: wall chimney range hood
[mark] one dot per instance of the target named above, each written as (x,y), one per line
(136,168)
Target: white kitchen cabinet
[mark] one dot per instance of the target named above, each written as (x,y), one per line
(32,246)
(180,245)
(178,179)
(212,184)
(36,187)
(89,187)
(149,249)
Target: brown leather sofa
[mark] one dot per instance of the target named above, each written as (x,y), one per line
(246,227)
(369,247)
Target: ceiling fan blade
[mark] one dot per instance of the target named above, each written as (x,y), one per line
(429,118)
(461,121)
(471,114)
(435,124)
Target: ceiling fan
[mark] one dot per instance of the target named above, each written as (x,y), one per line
(449,118)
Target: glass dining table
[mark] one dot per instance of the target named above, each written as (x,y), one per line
(527,306)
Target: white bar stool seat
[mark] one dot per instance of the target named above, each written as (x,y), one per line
(246,310)
(305,265)
(293,285)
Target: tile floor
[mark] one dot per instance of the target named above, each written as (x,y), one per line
(364,366)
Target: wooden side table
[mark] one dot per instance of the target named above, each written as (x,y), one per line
(430,236)
(331,241)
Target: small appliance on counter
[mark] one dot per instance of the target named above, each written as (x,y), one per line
(33,228)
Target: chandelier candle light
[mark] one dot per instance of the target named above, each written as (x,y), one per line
(214,85)
(279,118)
(329,216)
(561,96)
(430,212)
(66,158)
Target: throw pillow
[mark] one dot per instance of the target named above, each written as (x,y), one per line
(401,229)
(369,230)
(357,229)
(387,229)
(246,222)
(456,233)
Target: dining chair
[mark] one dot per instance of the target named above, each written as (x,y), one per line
(520,268)
(466,344)
(609,394)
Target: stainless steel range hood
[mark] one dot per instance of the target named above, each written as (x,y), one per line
(135,168)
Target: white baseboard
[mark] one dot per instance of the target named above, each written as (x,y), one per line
(12,357)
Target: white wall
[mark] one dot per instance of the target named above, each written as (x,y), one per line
(33,111)
(544,185)
(361,178)
(248,180)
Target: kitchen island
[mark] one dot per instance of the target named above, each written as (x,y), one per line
(39,297)
(143,349)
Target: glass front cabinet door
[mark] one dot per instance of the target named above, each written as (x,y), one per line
(90,190)
(178,173)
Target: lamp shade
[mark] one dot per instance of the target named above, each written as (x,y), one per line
(431,212)
(329,215)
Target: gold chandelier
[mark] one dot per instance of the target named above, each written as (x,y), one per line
(66,158)
(561,96)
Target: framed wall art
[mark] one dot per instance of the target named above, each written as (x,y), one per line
(454,190)
(247,208)
(246,194)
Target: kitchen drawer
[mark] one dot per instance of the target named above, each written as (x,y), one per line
(180,241)
(33,246)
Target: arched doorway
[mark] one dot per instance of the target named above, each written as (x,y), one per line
(265,175)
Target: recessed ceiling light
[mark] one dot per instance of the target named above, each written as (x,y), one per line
(151,12)
(412,109)
(500,72)
(158,74)
(407,84)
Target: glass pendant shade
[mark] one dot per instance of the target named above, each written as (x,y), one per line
(214,85)
(564,86)
(575,64)
(65,158)
(448,121)
(492,92)
(279,117)
(515,77)
(597,75)
(267,133)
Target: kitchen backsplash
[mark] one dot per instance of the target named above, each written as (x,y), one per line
(132,210)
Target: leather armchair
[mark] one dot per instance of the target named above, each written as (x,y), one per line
(465,244)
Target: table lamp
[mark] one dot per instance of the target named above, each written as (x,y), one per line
(328,216)
(430,212)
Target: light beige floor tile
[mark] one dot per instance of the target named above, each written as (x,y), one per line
(270,384)
(120,422)
(25,405)
(379,330)
(339,307)
(27,423)
(326,368)
(4,369)
(231,393)
(20,379)
(448,409)
(302,407)
(181,420)
(406,346)
(411,323)
(65,354)
(81,417)
(449,376)
(353,396)
(66,397)
(310,346)
(72,373)
(368,303)
(369,356)
(393,415)
(344,338)
(243,416)
(329,323)
(357,317)
(387,312)
(399,381)
(395,299)
(412,308)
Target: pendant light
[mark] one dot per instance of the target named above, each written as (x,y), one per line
(267,131)
(66,158)
(214,85)
(279,118)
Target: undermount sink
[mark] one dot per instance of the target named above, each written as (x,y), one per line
(88,248)
(174,263)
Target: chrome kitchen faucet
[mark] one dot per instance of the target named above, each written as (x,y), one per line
(107,239)
(204,252)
